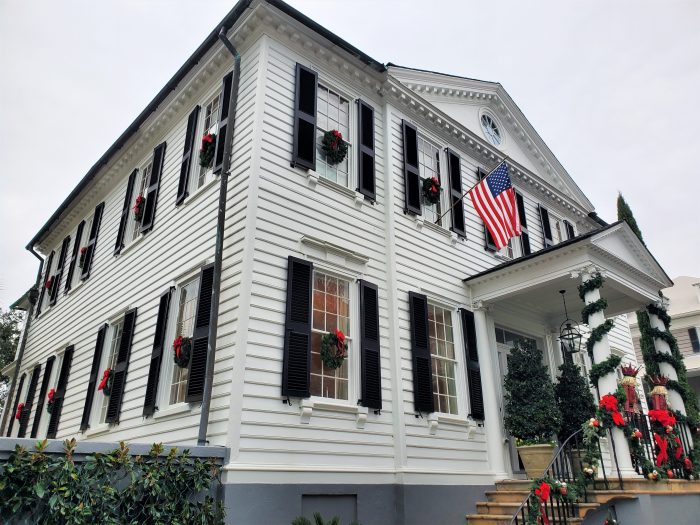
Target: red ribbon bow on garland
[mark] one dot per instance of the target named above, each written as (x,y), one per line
(610,403)
(177,345)
(662,443)
(663,417)
(542,492)
(679,448)
(105,378)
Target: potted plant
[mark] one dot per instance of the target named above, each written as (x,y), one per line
(531,412)
(576,405)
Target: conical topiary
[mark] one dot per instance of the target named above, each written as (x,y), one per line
(574,399)
(531,412)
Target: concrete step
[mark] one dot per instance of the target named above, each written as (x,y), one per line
(507,496)
(513,484)
(503,519)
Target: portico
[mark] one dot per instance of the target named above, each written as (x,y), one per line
(526,292)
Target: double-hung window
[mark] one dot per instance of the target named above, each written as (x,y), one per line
(82,237)
(43,425)
(133,225)
(558,229)
(443,358)
(331,311)
(209,124)
(428,167)
(109,360)
(333,114)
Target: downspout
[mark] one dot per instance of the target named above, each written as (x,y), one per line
(22,342)
(219,247)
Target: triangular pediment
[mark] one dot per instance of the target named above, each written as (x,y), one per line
(468,100)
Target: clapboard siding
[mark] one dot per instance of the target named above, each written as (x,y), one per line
(182,239)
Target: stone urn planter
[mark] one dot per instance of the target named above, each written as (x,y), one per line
(536,458)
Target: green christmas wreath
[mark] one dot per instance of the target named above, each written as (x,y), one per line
(182,349)
(334,147)
(334,349)
(431,190)
(206,152)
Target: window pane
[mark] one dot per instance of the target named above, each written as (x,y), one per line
(333,114)
(443,357)
(184,327)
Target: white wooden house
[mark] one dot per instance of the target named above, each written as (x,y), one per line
(409,429)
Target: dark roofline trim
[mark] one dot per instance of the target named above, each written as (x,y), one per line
(227,22)
(559,246)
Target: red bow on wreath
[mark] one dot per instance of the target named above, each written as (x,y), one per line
(341,342)
(105,378)
(177,345)
(51,395)
(20,408)
(207,138)
(139,201)
(662,443)
(435,185)
(337,137)
(610,403)
(542,492)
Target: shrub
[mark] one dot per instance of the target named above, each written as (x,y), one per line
(574,399)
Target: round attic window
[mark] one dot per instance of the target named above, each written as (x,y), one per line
(491,130)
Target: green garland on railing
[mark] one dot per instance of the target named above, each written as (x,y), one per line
(595,282)
(597,335)
(602,369)
(595,306)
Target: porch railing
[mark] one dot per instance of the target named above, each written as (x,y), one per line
(566,466)
(642,422)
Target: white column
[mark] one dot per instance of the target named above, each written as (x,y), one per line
(675,400)
(608,383)
(490,381)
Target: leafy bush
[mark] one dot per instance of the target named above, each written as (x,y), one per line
(574,399)
(531,411)
(113,488)
(318,520)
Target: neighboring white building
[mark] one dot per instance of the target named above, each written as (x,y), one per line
(684,309)
(409,429)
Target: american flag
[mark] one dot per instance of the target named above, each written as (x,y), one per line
(494,200)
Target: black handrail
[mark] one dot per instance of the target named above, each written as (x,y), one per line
(565,466)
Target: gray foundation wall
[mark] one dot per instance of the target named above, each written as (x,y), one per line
(263,504)
(651,509)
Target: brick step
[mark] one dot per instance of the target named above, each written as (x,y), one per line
(490,507)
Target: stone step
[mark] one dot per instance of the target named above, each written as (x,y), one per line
(503,519)
(490,507)
(514,484)
(507,496)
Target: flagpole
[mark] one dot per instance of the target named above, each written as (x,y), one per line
(437,221)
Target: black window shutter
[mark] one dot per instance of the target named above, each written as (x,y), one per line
(297,329)
(42,396)
(224,101)
(29,401)
(149,402)
(371,367)
(525,235)
(149,209)
(94,372)
(455,170)
(14,408)
(60,393)
(366,173)
(187,155)
(489,243)
(411,174)
(546,226)
(473,372)
(694,342)
(58,274)
(420,347)
(570,234)
(129,202)
(304,142)
(47,274)
(92,241)
(200,339)
(74,256)
(121,367)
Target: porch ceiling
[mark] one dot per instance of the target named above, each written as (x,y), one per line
(532,283)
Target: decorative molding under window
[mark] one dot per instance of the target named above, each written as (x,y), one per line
(325,251)
(434,420)
(307,407)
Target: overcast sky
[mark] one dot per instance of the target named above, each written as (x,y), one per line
(612,88)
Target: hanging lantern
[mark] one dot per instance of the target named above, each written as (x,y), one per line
(569,337)
(659,395)
(629,383)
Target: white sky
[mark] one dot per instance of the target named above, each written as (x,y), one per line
(612,88)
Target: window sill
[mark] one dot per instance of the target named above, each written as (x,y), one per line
(98,430)
(202,189)
(173,410)
(75,287)
(434,420)
(441,230)
(314,179)
(126,249)
(308,406)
